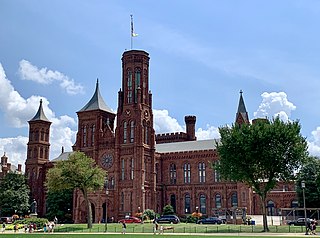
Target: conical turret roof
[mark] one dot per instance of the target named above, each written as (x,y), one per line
(242,114)
(40,116)
(96,102)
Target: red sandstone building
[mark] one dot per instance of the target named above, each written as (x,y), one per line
(145,170)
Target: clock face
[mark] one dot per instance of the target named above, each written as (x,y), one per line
(107,161)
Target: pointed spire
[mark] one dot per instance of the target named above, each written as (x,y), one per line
(242,114)
(96,102)
(40,116)
(241,106)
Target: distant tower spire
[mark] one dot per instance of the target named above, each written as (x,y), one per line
(242,114)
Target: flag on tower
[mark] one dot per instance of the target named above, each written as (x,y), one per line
(133,34)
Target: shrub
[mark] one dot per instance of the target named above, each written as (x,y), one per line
(38,221)
(191,219)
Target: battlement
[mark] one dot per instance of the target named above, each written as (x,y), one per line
(171,137)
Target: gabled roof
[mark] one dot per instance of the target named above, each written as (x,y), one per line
(186,146)
(40,116)
(96,102)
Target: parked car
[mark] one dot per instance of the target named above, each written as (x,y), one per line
(7,220)
(210,220)
(130,220)
(300,222)
(172,219)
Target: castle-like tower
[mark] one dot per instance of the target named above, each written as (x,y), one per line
(38,156)
(135,137)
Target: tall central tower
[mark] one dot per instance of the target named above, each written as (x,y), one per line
(135,136)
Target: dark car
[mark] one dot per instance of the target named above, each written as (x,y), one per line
(130,220)
(172,219)
(300,222)
(210,220)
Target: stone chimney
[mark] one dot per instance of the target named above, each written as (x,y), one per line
(4,160)
(191,127)
(19,168)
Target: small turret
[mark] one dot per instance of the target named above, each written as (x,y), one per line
(191,127)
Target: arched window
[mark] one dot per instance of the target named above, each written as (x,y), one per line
(122,169)
(173,174)
(132,169)
(125,132)
(187,203)
(36,135)
(216,176)
(93,130)
(132,131)
(137,80)
(47,135)
(173,202)
(42,135)
(294,203)
(234,199)
(84,136)
(157,172)
(146,139)
(202,172)
(41,152)
(129,86)
(186,173)
(203,208)
(218,200)
(271,208)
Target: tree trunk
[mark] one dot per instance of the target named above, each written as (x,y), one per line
(264,213)
(89,210)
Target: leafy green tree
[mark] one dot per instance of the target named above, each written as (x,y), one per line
(77,172)
(59,204)
(14,194)
(310,174)
(148,214)
(261,154)
(168,210)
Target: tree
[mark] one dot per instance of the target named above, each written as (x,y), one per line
(59,204)
(261,154)
(14,194)
(77,172)
(168,210)
(310,174)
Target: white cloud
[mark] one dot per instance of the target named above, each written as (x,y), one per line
(44,76)
(314,142)
(211,132)
(275,104)
(18,111)
(163,123)
(15,149)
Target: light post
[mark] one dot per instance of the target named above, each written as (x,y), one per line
(303,186)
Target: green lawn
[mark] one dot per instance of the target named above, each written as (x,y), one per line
(179,228)
(184,230)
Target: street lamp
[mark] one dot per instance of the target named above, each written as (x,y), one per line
(303,186)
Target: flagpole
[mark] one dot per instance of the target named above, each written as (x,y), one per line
(131,34)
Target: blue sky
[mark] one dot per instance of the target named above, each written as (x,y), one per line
(202,54)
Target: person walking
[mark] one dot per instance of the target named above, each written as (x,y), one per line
(124,227)
(3,227)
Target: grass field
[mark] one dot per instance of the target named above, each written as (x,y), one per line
(179,228)
(41,235)
(145,230)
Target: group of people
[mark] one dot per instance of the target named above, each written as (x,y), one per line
(156,228)
(312,227)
